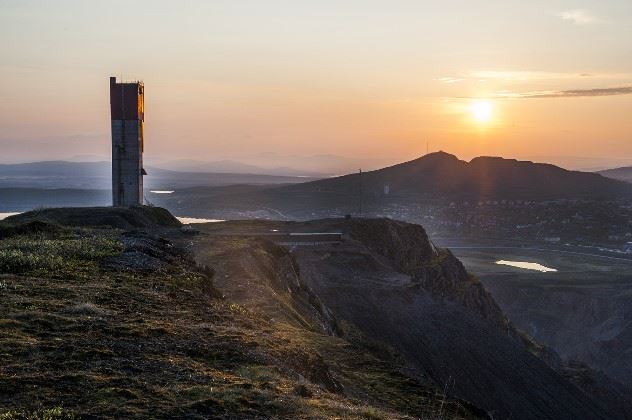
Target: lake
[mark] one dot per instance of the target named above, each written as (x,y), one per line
(527,266)
(5,215)
(184,220)
(189,220)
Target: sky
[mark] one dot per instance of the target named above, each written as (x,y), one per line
(377,80)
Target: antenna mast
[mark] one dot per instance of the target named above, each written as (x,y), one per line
(360,173)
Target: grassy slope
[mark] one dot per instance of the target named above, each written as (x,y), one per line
(81,333)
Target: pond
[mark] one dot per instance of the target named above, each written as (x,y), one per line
(184,220)
(527,266)
(189,220)
(5,215)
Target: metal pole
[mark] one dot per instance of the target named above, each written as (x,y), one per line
(360,192)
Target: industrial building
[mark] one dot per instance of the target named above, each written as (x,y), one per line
(127,112)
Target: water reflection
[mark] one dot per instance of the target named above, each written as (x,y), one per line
(184,220)
(527,266)
(189,220)
(5,215)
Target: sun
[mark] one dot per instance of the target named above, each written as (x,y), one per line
(482,111)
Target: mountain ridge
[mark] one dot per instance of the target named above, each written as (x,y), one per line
(441,174)
(623,173)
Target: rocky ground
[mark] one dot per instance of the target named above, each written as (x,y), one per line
(387,280)
(142,317)
(583,310)
(99,323)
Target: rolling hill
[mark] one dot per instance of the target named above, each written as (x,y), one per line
(434,179)
(622,174)
(442,175)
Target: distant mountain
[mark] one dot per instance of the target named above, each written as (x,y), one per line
(97,175)
(232,166)
(88,158)
(317,163)
(55,168)
(442,175)
(622,174)
(56,174)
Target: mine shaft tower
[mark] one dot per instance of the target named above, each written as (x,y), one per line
(127,110)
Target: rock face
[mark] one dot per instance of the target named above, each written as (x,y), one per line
(389,281)
(266,279)
(435,270)
(586,321)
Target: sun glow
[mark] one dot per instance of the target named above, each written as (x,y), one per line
(482,111)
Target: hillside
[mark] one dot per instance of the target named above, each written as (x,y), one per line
(387,280)
(436,179)
(583,310)
(622,174)
(108,323)
(443,176)
(232,322)
(235,167)
(143,217)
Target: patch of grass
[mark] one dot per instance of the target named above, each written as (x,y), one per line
(259,374)
(16,261)
(241,401)
(55,413)
(41,255)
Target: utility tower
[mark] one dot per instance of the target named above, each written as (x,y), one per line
(127,110)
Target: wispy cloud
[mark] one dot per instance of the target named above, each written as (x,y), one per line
(573,93)
(526,76)
(579,17)
(519,76)
(450,79)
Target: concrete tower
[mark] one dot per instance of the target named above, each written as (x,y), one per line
(127,110)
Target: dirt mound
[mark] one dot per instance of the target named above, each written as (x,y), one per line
(141,217)
(35,227)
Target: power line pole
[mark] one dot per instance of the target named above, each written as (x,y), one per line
(360,173)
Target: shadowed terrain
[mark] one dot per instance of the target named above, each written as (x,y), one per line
(388,280)
(106,322)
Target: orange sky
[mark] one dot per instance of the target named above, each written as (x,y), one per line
(371,79)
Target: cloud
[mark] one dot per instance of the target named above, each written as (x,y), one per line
(578,17)
(518,76)
(522,76)
(450,79)
(574,93)
(526,76)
